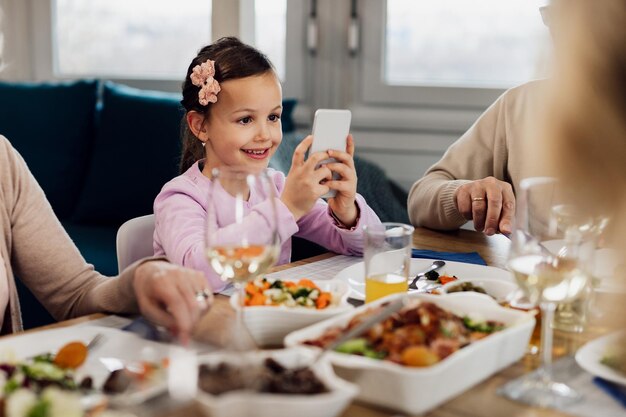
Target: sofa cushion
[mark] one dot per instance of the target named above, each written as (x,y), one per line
(52,126)
(136,151)
(286,118)
(96,244)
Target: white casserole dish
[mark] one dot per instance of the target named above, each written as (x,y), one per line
(417,390)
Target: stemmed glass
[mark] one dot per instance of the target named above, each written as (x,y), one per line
(242,232)
(546,277)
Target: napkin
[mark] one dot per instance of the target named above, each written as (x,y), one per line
(614,390)
(465,257)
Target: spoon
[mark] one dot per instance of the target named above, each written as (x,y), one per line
(433,267)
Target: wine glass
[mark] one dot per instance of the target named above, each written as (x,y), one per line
(242,232)
(547,277)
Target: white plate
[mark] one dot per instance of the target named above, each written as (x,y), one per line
(245,403)
(269,325)
(417,390)
(354,275)
(498,289)
(589,356)
(116,349)
(606,262)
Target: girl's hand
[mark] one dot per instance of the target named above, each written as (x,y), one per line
(303,188)
(343,204)
(172,296)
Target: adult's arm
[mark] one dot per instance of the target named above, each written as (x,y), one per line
(480,153)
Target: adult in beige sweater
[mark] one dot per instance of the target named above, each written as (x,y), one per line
(477,177)
(34,247)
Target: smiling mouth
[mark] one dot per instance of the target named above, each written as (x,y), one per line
(257,153)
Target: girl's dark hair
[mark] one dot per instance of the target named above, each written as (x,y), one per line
(233,59)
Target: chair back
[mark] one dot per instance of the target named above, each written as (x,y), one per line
(134,240)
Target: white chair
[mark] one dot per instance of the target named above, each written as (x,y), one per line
(134,240)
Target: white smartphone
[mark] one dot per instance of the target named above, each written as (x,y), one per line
(330,131)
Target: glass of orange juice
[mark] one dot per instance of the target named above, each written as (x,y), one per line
(387,259)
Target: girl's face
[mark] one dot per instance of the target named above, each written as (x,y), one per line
(244,127)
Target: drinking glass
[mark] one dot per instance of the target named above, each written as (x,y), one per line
(547,277)
(387,259)
(242,232)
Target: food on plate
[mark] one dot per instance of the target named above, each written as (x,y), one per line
(269,377)
(35,386)
(421,334)
(134,375)
(439,279)
(304,293)
(615,356)
(72,355)
(466,286)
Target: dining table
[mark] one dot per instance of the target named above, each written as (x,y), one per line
(481,400)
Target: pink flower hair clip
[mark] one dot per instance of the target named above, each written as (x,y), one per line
(202,76)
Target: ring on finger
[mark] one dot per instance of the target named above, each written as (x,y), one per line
(475,199)
(203,295)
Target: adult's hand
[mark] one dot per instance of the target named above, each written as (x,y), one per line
(172,296)
(489,202)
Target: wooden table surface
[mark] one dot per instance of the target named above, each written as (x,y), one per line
(479,401)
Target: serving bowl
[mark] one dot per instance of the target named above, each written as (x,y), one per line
(269,325)
(498,289)
(246,403)
(417,390)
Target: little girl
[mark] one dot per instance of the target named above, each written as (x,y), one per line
(233,102)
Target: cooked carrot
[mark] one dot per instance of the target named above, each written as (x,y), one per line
(252,289)
(257,299)
(307,283)
(444,279)
(71,355)
(289,284)
(323,300)
(266,285)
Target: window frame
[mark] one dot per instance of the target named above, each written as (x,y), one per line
(43,56)
(375,91)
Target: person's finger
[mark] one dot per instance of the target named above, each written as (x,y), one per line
(342,157)
(300,151)
(315,159)
(155,313)
(479,208)
(508,210)
(464,202)
(188,292)
(350,145)
(342,186)
(176,307)
(344,171)
(320,190)
(494,208)
(321,174)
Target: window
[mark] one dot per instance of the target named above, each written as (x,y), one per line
(152,39)
(486,43)
(270,30)
(450,53)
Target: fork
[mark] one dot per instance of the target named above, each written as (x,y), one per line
(97,340)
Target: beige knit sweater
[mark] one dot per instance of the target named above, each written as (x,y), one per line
(36,248)
(493,146)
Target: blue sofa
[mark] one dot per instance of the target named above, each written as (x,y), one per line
(102,151)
